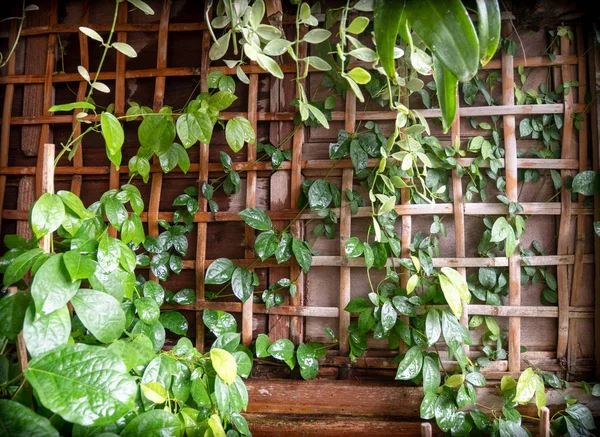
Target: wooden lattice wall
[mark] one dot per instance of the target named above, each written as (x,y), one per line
(173,61)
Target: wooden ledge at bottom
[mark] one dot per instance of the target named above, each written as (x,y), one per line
(388,400)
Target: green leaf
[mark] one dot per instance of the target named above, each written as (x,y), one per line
(224,364)
(52,287)
(219,272)
(488,29)
(282,349)
(115,211)
(147,310)
(156,133)
(16,420)
(113,134)
(219,322)
(353,247)
(540,394)
(302,253)
(525,128)
(237,132)
(241,283)
(358,156)
(47,214)
(79,266)
(492,325)
(257,219)
(221,100)
(581,413)
(411,364)
(154,423)
(316,36)
(193,127)
(125,48)
(44,332)
(155,332)
(388,316)
(447,30)
(263,342)
(20,266)
(447,86)
(586,183)
(12,313)
(431,374)
(526,386)
(358,25)
(174,322)
(266,244)
(71,106)
(142,6)
(319,195)
(433,327)
(270,65)
(75,204)
(556,179)
(387,18)
(68,385)
(459,282)
(100,313)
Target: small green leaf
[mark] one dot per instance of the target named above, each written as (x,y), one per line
(411,364)
(353,247)
(360,75)
(71,106)
(20,266)
(586,183)
(257,219)
(241,283)
(219,272)
(47,214)
(358,25)
(113,134)
(302,253)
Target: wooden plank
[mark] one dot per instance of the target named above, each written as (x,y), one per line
(426,430)
(544,422)
(510,159)
(250,203)
(343,398)
(564,232)
(345,233)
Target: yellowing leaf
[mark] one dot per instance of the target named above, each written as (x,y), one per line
(452,295)
(412,284)
(155,392)
(455,381)
(224,364)
(459,282)
(526,386)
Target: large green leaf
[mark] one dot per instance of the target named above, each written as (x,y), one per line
(256,218)
(526,386)
(100,313)
(16,420)
(154,423)
(193,127)
(52,287)
(47,214)
(43,332)
(84,384)
(446,29)
(241,283)
(488,28)
(155,332)
(411,364)
(219,271)
(387,17)
(447,85)
(452,295)
(79,266)
(302,253)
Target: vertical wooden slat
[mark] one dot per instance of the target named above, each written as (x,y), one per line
(159,93)
(45,135)
(250,203)
(278,325)
(510,148)
(594,68)
(565,231)
(202,203)
(345,231)
(459,216)
(81,91)
(544,422)
(426,430)
(46,178)
(9,93)
(297,323)
(577,280)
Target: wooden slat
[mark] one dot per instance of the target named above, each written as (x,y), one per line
(544,422)
(345,232)
(510,160)
(250,203)
(564,231)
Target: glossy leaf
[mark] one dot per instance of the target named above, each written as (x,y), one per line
(20,266)
(526,386)
(219,272)
(447,90)
(387,18)
(47,214)
(302,253)
(68,385)
(16,420)
(256,218)
(100,313)
(13,307)
(113,134)
(447,30)
(488,29)
(241,283)
(52,287)
(411,364)
(224,364)
(44,332)
(154,423)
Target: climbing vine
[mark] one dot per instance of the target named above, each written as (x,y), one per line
(85,300)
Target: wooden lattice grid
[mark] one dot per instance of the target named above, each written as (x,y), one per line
(574,310)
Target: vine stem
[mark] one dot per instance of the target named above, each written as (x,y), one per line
(13,48)
(106,47)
